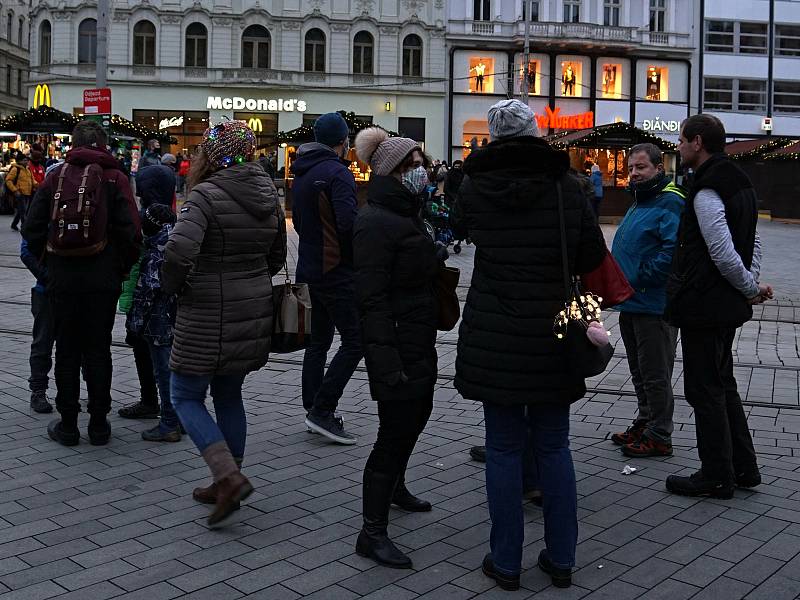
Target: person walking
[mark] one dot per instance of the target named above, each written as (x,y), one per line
(183,173)
(596,177)
(643,246)
(396,266)
(88,253)
(710,292)
(20,183)
(508,357)
(323,211)
(229,240)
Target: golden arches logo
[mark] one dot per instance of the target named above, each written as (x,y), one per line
(256,125)
(41,97)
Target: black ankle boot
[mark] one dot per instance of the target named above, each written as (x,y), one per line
(373,541)
(408,501)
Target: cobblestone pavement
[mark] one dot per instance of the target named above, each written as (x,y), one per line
(119,522)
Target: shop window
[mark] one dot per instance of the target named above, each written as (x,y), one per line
(45,43)
(657,83)
(717,93)
(481,75)
(719,36)
(144,44)
(264,126)
(572,11)
(315,51)
(534,10)
(611,81)
(530,77)
(611,13)
(186,126)
(412,56)
(87,42)
(786,95)
(481,10)
(474,135)
(787,40)
(196,45)
(752,95)
(256,48)
(658,15)
(571,79)
(363,48)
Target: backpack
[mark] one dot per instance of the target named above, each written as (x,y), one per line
(79,213)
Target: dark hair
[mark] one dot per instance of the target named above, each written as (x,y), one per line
(89,133)
(653,153)
(408,161)
(709,128)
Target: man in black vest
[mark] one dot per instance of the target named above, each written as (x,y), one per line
(710,292)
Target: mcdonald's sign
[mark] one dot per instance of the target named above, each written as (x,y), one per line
(41,97)
(256,125)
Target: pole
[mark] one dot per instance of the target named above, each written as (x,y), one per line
(771,64)
(526,55)
(103,7)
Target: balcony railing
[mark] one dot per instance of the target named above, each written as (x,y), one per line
(483,28)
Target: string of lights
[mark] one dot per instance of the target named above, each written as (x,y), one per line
(306,132)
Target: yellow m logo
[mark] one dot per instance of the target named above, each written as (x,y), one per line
(41,97)
(256,125)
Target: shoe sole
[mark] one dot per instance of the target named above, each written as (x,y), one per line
(99,441)
(228,518)
(559,582)
(62,441)
(717,495)
(509,587)
(164,440)
(329,435)
(409,565)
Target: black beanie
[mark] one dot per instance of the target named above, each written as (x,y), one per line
(155,217)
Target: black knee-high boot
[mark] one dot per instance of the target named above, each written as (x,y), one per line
(373,541)
(405,499)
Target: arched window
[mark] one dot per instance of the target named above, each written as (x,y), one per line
(412,56)
(196,45)
(363,46)
(255,48)
(9,26)
(315,51)
(45,43)
(87,42)
(144,44)
(21,33)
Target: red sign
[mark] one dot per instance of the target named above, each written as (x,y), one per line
(97,101)
(552,119)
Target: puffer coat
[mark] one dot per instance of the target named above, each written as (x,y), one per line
(508,205)
(229,240)
(396,267)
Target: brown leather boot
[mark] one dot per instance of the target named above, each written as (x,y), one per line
(230,492)
(208,494)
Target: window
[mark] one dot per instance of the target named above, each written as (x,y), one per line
(19,83)
(196,45)
(611,13)
(719,36)
(21,33)
(786,96)
(481,75)
(315,51)
(481,10)
(787,40)
(9,25)
(8,79)
(736,37)
(87,42)
(753,38)
(718,94)
(412,56)
(658,15)
(45,38)
(534,9)
(611,80)
(530,78)
(256,48)
(571,78)
(657,83)
(752,95)
(363,45)
(572,11)
(412,127)
(144,44)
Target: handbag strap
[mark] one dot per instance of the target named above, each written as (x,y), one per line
(563,228)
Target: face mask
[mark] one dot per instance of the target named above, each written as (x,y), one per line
(415,180)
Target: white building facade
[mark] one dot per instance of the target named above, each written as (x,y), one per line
(281,63)
(14,36)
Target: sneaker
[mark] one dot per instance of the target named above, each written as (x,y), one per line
(99,433)
(39,403)
(478,453)
(505,582)
(139,410)
(647,447)
(748,478)
(631,435)
(62,435)
(700,485)
(561,578)
(332,427)
(157,435)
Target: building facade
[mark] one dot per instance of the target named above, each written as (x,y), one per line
(14,38)
(178,64)
(746,77)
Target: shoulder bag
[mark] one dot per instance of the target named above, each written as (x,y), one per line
(291,320)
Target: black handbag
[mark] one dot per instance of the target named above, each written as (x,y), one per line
(584,359)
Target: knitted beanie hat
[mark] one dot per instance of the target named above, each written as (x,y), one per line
(383,153)
(511,118)
(229,143)
(331,129)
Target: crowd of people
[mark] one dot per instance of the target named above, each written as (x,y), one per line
(196,287)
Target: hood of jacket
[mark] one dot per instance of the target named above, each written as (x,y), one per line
(84,155)
(310,155)
(515,172)
(249,186)
(155,185)
(388,192)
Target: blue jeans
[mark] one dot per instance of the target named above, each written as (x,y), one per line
(188,394)
(334,308)
(159,355)
(506,431)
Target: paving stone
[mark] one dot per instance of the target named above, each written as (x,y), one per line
(724,587)
(431,577)
(672,589)
(702,571)
(40,591)
(686,550)
(617,590)
(777,587)
(754,569)
(650,573)
(218,572)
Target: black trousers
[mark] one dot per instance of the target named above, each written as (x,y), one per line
(82,325)
(41,357)
(144,369)
(723,437)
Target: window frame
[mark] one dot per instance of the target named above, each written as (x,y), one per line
(147,41)
(484,10)
(90,38)
(359,50)
(9,26)
(45,43)
(611,12)
(736,90)
(776,91)
(412,56)
(255,50)
(720,90)
(658,16)
(736,36)
(572,11)
(318,51)
(195,42)
(21,33)
(533,13)
(779,36)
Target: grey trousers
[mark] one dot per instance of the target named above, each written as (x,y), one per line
(650,345)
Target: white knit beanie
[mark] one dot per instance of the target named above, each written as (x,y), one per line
(383,153)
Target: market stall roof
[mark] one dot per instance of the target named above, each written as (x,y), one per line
(790,152)
(756,148)
(614,135)
(305,133)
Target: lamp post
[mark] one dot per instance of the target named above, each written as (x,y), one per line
(103,7)
(526,53)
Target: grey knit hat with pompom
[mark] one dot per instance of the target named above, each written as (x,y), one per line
(383,153)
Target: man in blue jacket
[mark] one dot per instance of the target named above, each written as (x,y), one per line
(643,247)
(323,211)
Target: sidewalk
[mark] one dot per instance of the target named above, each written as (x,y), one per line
(118,521)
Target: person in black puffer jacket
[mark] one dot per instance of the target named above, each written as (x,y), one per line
(396,266)
(508,357)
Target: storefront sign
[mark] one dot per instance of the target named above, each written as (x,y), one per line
(41,97)
(171,122)
(553,119)
(661,125)
(256,125)
(97,101)
(256,104)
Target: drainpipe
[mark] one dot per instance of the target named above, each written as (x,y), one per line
(701,59)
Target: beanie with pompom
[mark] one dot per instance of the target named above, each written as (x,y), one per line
(383,153)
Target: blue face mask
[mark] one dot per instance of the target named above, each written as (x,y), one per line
(415,180)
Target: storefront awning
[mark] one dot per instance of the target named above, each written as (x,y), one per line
(614,135)
(305,133)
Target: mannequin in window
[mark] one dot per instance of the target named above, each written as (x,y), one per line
(609,80)
(531,77)
(479,69)
(653,84)
(568,79)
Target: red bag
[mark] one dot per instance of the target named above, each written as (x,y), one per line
(608,282)
(79,213)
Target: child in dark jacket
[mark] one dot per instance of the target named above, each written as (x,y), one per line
(152,316)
